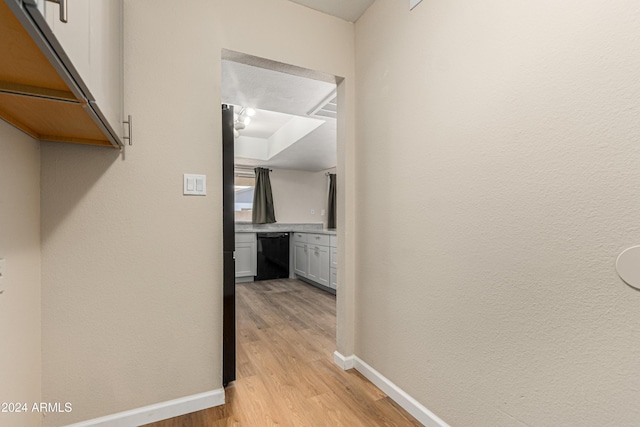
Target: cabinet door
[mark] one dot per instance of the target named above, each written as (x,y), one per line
(89,45)
(106,61)
(300,259)
(73,35)
(334,257)
(245,255)
(324,278)
(319,265)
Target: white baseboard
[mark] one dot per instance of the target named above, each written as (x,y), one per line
(345,363)
(402,398)
(158,411)
(412,406)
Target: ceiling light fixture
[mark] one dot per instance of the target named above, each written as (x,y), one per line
(242,119)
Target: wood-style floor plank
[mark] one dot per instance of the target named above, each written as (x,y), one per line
(285,372)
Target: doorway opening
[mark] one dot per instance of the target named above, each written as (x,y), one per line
(286,121)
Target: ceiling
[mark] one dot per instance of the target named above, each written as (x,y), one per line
(280,131)
(349,10)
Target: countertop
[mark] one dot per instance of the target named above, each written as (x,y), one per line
(247,227)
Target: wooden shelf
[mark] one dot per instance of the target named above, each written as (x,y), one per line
(51,120)
(34,97)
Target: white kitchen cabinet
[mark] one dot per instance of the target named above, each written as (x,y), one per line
(334,257)
(300,258)
(334,263)
(315,258)
(246,256)
(318,239)
(319,264)
(89,45)
(299,237)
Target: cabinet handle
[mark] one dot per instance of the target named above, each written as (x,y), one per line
(63,9)
(129,124)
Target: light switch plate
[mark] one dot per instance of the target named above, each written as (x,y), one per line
(413,3)
(194,185)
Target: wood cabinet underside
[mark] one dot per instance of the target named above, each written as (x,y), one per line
(34,97)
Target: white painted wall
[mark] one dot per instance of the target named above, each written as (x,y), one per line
(296,193)
(20,355)
(132,270)
(492,298)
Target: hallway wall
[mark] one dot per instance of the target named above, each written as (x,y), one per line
(501,138)
(132,269)
(20,314)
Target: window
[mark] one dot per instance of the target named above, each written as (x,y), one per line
(243,203)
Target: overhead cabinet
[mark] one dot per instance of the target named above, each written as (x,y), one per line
(62,81)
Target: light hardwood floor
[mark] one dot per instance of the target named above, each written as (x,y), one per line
(285,370)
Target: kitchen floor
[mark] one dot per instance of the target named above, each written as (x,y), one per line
(285,371)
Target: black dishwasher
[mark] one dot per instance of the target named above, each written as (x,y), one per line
(273,256)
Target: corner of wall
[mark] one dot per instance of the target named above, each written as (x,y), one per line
(20,300)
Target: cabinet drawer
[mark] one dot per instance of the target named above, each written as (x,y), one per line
(318,239)
(245,237)
(334,257)
(300,237)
